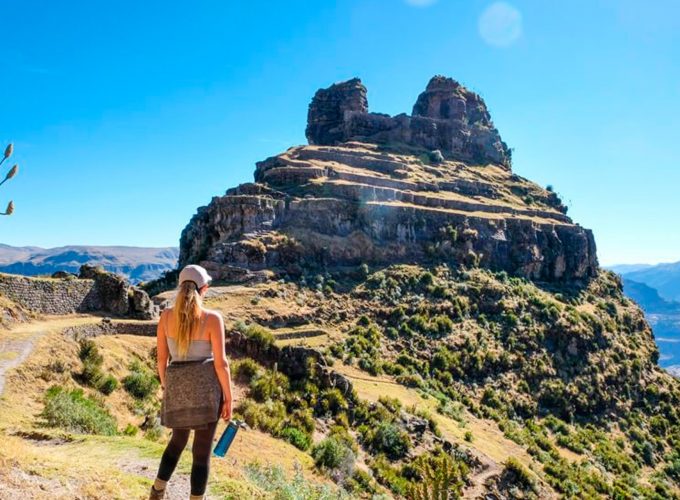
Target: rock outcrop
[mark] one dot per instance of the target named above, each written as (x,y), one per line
(446,117)
(368,191)
(117,296)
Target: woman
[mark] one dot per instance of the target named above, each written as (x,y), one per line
(196,383)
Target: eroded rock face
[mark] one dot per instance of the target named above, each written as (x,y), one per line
(446,117)
(323,206)
(331,108)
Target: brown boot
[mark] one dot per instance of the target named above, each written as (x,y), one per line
(156,494)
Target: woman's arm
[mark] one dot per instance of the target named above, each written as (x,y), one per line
(221,363)
(162,353)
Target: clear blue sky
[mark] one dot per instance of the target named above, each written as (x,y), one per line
(127,116)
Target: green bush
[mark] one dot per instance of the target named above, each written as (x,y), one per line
(330,454)
(243,370)
(131,430)
(297,438)
(411,380)
(390,440)
(268,385)
(519,474)
(389,476)
(92,374)
(273,480)
(73,411)
(332,401)
(141,382)
(361,481)
(259,334)
(268,417)
(107,384)
(89,353)
(436,476)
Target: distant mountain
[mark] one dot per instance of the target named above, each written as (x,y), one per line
(136,263)
(628,268)
(664,317)
(663,277)
(649,298)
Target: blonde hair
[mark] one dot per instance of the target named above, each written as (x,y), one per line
(187,313)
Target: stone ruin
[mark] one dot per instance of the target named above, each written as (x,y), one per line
(446,117)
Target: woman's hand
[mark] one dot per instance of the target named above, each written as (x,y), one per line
(226,409)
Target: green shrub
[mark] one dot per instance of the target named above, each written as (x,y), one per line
(141,382)
(91,374)
(519,474)
(243,370)
(389,476)
(297,438)
(259,334)
(361,481)
(268,417)
(331,454)
(89,353)
(342,435)
(332,401)
(390,440)
(436,476)
(73,411)
(268,385)
(411,380)
(302,419)
(393,405)
(107,384)
(131,430)
(273,480)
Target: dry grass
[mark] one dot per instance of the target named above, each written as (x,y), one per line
(488,439)
(36,462)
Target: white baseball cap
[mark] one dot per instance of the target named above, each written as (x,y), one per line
(195,273)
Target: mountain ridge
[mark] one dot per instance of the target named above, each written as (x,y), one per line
(135,263)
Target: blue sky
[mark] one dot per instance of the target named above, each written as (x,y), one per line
(126,116)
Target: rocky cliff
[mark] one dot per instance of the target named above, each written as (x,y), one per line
(379,190)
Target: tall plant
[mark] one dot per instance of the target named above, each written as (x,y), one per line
(12,172)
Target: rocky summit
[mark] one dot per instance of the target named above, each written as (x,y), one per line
(380,190)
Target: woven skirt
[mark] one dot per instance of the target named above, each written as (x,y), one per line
(192,398)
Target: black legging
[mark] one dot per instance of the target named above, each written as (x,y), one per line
(201,449)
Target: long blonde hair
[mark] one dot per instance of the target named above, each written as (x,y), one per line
(187,313)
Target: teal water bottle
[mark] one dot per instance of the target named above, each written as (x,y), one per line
(226,439)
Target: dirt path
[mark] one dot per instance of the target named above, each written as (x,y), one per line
(17,343)
(13,352)
(178,487)
(477,488)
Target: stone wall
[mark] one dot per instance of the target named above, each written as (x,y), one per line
(143,329)
(50,295)
(94,291)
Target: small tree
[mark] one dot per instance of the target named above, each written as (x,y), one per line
(12,172)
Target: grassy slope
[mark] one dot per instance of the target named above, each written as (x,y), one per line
(492,315)
(35,459)
(519,353)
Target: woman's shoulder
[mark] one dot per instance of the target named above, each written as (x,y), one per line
(212,314)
